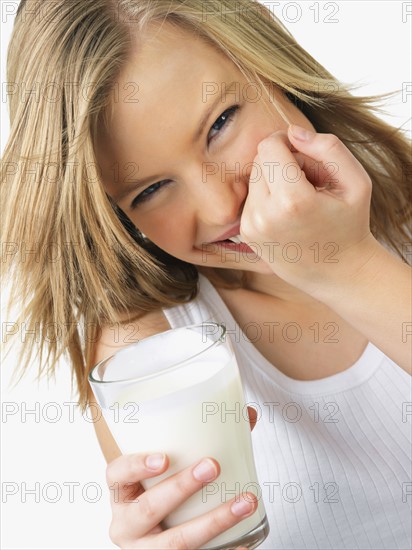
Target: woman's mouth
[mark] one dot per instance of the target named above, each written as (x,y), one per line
(236,239)
(234,243)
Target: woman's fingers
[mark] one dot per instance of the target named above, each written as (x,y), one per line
(151,507)
(135,523)
(125,472)
(317,206)
(322,157)
(280,169)
(320,175)
(335,158)
(257,184)
(197,532)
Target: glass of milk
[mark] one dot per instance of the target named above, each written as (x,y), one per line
(179,392)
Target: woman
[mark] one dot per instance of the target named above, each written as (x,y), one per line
(318,211)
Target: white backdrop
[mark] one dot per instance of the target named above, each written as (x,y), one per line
(53,488)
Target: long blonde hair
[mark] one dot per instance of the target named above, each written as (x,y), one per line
(75,261)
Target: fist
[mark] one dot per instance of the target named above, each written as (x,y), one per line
(307,211)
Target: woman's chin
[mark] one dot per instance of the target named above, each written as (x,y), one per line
(254,265)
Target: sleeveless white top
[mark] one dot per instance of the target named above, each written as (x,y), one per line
(333,456)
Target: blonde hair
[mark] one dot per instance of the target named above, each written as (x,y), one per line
(90,265)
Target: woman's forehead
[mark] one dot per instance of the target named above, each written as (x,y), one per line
(171,59)
(172,74)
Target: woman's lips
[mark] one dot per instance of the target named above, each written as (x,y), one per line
(234,232)
(233,243)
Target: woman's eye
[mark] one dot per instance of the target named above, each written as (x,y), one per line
(149,192)
(223,120)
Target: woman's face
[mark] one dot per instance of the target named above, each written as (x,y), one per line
(187,122)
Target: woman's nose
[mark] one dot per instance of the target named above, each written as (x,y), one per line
(220,195)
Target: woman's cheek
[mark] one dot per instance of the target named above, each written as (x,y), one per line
(258,124)
(240,154)
(171,230)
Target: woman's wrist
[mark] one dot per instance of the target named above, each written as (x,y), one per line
(327,272)
(350,272)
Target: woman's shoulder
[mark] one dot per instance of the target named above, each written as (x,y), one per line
(128,330)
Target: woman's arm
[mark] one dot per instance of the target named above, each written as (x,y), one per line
(109,342)
(324,214)
(378,302)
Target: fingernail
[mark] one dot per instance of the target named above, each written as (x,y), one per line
(243,506)
(155,462)
(205,470)
(301,133)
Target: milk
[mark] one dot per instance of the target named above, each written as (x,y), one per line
(185,413)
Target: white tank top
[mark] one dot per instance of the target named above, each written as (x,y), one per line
(333,456)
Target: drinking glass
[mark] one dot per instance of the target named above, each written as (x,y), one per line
(180,392)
